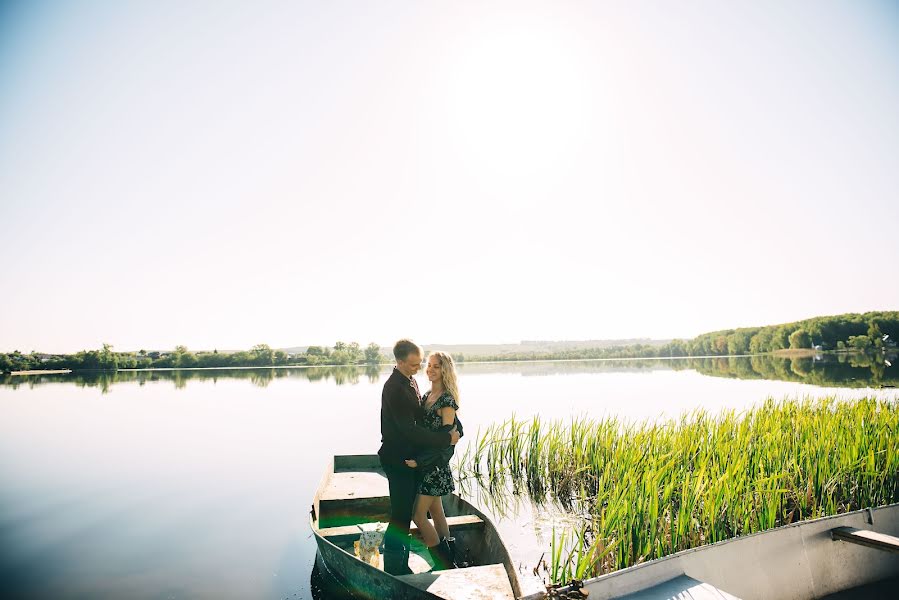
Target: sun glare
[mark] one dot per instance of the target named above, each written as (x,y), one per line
(519,99)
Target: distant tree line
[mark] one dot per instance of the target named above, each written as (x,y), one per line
(261,355)
(867,331)
(871,331)
(856,332)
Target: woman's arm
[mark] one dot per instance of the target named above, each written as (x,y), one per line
(447,414)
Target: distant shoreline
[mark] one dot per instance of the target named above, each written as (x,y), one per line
(874,332)
(830,369)
(41,372)
(461,364)
(785,353)
(779,354)
(378,365)
(799,352)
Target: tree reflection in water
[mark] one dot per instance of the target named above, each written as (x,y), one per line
(260,377)
(851,370)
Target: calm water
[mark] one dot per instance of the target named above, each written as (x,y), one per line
(198,484)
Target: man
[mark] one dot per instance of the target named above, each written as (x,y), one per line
(400,439)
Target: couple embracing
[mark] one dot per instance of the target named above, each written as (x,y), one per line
(418,435)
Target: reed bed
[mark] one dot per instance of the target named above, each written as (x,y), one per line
(647,490)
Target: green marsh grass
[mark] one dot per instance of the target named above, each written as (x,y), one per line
(650,489)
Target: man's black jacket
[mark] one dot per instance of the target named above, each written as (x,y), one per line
(401,438)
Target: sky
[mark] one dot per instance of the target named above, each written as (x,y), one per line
(223,174)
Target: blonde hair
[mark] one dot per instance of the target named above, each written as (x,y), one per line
(448,373)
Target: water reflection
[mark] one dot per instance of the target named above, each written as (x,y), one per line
(138,490)
(324,586)
(260,377)
(828,370)
(825,370)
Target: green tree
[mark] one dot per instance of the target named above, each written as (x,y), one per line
(107,359)
(126,360)
(720,345)
(88,359)
(316,355)
(859,342)
(185,359)
(674,348)
(372,354)
(761,342)
(780,339)
(800,339)
(263,355)
(875,334)
(738,341)
(355,353)
(346,354)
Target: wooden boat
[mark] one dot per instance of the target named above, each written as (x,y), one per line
(353,495)
(852,555)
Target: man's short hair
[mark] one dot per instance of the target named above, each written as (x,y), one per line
(403,348)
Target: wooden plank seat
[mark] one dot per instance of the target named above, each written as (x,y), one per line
(353,496)
(864,537)
(487,582)
(347,533)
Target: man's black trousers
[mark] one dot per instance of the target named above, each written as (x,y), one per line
(403,489)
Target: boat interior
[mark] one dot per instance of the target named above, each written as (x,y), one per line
(353,497)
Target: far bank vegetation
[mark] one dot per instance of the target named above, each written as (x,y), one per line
(866,332)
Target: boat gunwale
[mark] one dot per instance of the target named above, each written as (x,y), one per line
(633,569)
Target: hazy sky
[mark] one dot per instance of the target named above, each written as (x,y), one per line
(224,174)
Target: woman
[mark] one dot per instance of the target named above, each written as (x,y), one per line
(440,404)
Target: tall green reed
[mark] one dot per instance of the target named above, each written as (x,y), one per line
(651,489)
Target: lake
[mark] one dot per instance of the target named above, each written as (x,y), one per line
(197,484)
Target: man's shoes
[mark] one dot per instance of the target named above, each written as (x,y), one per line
(396,561)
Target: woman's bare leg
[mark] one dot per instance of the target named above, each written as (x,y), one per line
(420,516)
(439,517)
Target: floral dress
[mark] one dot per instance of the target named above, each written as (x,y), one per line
(438,480)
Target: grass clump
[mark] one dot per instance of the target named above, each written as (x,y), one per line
(651,489)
